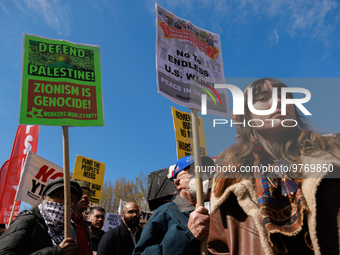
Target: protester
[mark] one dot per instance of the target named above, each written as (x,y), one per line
(83,232)
(2,228)
(122,239)
(96,218)
(40,230)
(270,210)
(177,227)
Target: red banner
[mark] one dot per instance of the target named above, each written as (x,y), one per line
(3,171)
(26,140)
(171,32)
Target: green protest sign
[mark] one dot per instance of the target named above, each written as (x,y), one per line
(61,83)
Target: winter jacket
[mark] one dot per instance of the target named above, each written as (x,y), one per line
(166,232)
(27,234)
(117,241)
(95,240)
(236,224)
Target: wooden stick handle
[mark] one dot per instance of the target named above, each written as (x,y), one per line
(197,164)
(12,213)
(67,193)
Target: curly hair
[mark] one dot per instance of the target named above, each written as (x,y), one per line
(300,140)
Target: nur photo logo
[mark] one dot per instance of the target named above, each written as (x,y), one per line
(239,103)
(204,98)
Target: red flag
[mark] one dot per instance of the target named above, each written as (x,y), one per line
(3,171)
(26,140)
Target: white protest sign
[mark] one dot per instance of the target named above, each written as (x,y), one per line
(189,64)
(112,220)
(36,174)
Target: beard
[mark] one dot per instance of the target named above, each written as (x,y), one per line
(131,222)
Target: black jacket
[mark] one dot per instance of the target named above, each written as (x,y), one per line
(27,234)
(95,241)
(117,241)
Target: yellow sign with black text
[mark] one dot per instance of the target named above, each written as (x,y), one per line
(183,132)
(92,172)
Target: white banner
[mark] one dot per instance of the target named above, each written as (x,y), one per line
(121,205)
(36,174)
(189,64)
(112,220)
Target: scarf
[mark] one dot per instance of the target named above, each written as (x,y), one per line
(281,201)
(53,214)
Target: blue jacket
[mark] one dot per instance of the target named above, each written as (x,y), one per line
(166,232)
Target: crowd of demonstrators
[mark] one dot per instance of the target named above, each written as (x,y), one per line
(96,219)
(83,232)
(177,227)
(40,230)
(122,239)
(276,212)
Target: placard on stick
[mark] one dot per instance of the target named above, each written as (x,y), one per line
(61,83)
(183,133)
(92,172)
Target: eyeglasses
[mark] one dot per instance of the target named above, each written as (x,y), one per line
(87,194)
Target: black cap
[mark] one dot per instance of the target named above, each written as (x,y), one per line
(59,183)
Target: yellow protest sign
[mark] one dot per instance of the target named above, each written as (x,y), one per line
(92,172)
(183,132)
